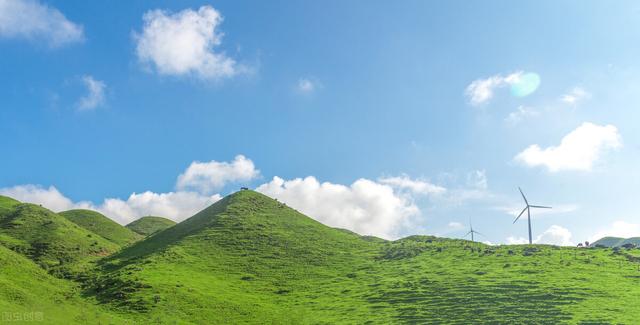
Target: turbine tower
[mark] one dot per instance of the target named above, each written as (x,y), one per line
(528,209)
(472,232)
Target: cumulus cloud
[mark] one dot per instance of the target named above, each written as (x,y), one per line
(416,186)
(481,90)
(49,197)
(578,150)
(619,228)
(95,94)
(521,113)
(184,43)
(194,193)
(173,205)
(554,235)
(366,207)
(575,96)
(31,20)
(206,177)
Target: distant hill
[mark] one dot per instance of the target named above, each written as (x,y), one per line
(149,225)
(101,225)
(51,240)
(616,241)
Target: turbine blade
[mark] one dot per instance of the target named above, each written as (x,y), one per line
(520,215)
(540,206)
(467,234)
(477,233)
(524,197)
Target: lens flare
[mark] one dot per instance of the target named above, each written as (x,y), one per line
(526,84)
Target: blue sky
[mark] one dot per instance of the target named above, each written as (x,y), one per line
(403,116)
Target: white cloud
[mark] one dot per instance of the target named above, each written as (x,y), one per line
(306,85)
(416,186)
(183,43)
(455,225)
(29,19)
(477,179)
(521,113)
(173,205)
(366,207)
(206,177)
(575,96)
(619,228)
(95,94)
(578,150)
(194,193)
(554,235)
(50,197)
(481,90)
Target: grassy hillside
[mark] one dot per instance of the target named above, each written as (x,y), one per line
(7,204)
(150,225)
(251,259)
(28,293)
(101,225)
(248,258)
(617,241)
(50,240)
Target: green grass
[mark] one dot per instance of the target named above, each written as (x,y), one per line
(50,240)
(27,292)
(251,259)
(103,226)
(150,225)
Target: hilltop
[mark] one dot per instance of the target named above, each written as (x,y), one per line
(251,259)
(150,225)
(101,225)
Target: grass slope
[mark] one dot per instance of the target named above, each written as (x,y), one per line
(150,225)
(50,240)
(101,225)
(617,241)
(28,294)
(251,259)
(6,205)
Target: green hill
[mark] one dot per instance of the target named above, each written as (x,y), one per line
(101,225)
(248,258)
(50,240)
(29,294)
(251,259)
(7,204)
(150,225)
(616,241)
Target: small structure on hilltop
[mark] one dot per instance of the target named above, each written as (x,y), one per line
(244,188)
(580,245)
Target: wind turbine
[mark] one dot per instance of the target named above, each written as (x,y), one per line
(471,231)
(528,209)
